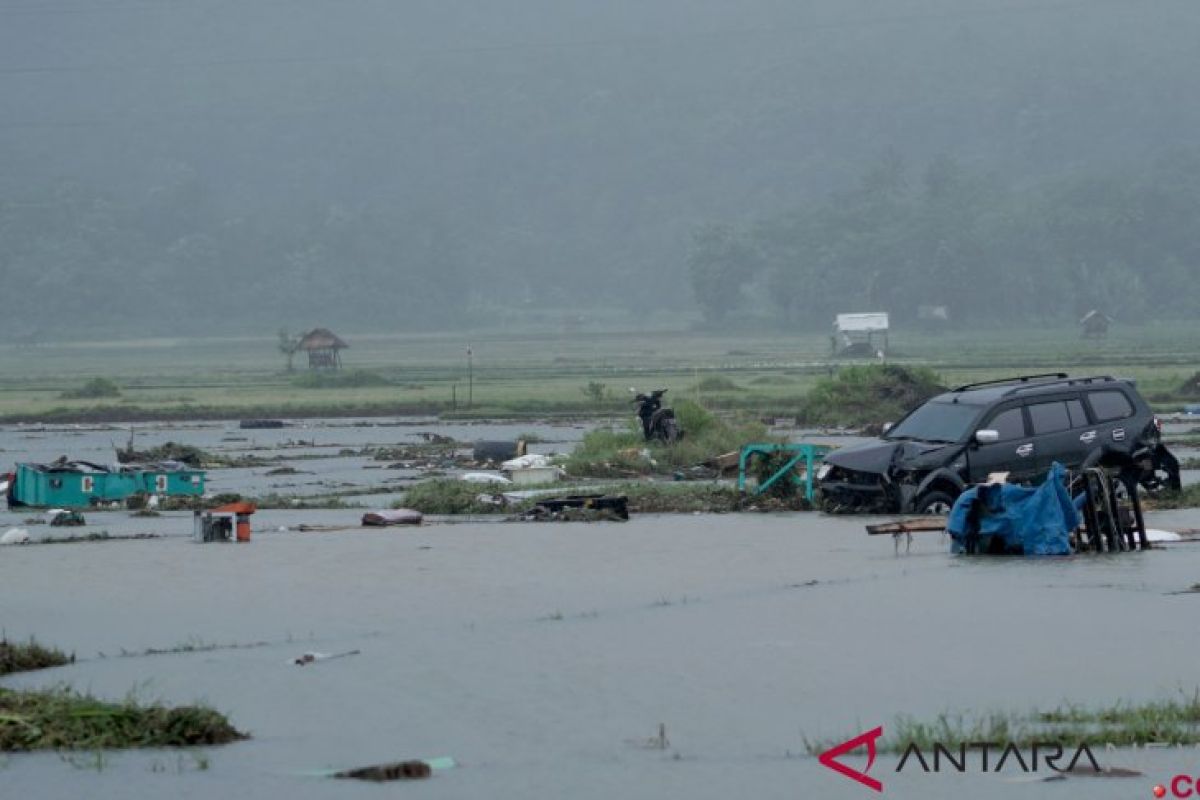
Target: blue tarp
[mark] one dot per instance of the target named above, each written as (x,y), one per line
(1034,521)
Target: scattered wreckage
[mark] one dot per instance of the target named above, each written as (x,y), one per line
(1092,511)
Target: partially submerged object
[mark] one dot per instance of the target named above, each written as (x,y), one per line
(1089,511)
(483,477)
(809,454)
(396,770)
(227,523)
(400,770)
(1007,519)
(15,536)
(580,507)
(531,469)
(66,519)
(81,484)
(392,516)
(311,658)
(497,452)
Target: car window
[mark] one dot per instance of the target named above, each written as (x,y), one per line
(1049,417)
(1010,424)
(936,422)
(1110,405)
(1078,417)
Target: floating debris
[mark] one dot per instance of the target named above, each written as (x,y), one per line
(310,658)
(400,770)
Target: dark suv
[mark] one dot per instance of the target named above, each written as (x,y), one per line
(1016,425)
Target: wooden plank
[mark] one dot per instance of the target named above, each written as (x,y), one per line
(915,525)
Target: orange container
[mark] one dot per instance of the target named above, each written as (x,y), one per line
(243,527)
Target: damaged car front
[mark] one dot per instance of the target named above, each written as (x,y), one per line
(918,465)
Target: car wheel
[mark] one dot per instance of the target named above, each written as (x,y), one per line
(935,503)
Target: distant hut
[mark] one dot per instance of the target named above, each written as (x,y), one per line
(1094,324)
(322,346)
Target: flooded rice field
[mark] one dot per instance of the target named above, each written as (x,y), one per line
(544,657)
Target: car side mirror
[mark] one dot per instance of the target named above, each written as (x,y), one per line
(887,426)
(986,436)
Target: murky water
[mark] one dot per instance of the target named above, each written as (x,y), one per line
(542,656)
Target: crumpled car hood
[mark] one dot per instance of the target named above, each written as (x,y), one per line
(878,455)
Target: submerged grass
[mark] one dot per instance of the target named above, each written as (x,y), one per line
(26,656)
(1123,724)
(625,453)
(62,719)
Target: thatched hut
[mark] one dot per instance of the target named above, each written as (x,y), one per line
(322,346)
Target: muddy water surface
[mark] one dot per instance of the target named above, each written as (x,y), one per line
(542,657)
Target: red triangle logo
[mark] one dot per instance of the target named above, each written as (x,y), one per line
(830,756)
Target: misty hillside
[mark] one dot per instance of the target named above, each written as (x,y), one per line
(385,165)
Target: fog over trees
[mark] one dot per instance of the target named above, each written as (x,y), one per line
(180,165)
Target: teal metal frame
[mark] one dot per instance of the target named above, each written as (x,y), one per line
(810,454)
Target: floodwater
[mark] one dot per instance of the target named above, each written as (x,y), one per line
(542,657)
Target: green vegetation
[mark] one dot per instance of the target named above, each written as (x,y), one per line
(873,393)
(1191,387)
(520,377)
(447,496)
(716,383)
(25,656)
(678,498)
(946,235)
(1174,722)
(607,454)
(340,379)
(61,719)
(1188,497)
(595,391)
(94,389)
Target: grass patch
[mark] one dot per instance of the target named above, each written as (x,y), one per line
(62,719)
(772,380)
(716,383)
(266,501)
(95,389)
(870,393)
(26,656)
(610,454)
(1188,497)
(1172,722)
(447,496)
(340,379)
(679,498)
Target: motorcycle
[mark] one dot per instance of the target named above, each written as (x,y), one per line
(658,423)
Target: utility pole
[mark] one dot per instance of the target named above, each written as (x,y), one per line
(470,378)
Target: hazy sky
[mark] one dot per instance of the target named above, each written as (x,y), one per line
(551,141)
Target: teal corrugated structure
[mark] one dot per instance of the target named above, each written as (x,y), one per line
(80,485)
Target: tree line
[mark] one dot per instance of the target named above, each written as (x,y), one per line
(943,234)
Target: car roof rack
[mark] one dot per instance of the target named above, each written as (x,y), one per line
(1068,382)
(1058,376)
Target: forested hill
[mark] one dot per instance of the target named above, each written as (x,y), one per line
(385,165)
